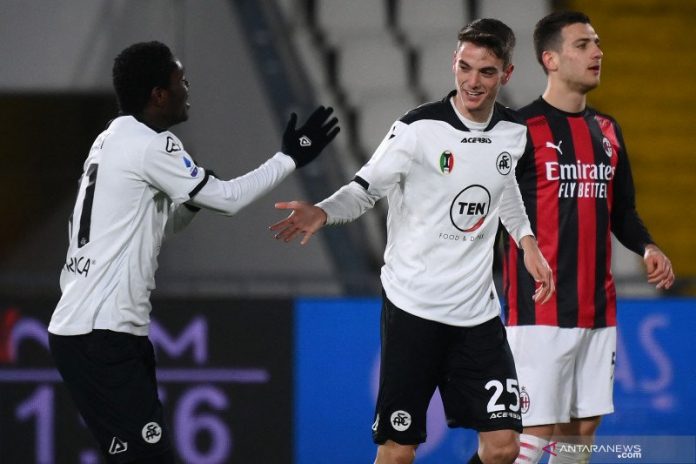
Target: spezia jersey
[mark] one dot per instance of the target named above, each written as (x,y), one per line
(132,192)
(447,187)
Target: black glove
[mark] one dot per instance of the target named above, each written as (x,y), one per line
(305,144)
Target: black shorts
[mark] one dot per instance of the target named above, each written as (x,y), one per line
(472,366)
(111,379)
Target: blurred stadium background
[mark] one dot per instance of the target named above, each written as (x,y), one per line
(268,351)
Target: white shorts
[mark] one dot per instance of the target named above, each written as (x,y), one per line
(563,373)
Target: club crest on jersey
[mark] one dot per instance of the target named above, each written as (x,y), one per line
(504,163)
(172,145)
(525,401)
(446,162)
(470,208)
(608,149)
(193,169)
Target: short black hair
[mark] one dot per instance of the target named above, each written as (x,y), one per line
(137,70)
(492,34)
(547,32)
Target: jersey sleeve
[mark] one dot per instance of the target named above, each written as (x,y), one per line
(626,224)
(386,168)
(513,214)
(230,196)
(170,169)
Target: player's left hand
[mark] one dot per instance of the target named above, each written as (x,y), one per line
(304,219)
(659,267)
(539,269)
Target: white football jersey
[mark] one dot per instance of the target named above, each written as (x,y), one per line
(132,193)
(447,187)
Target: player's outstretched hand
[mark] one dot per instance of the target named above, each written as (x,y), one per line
(539,269)
(659,267)
(303,144)
(304,219)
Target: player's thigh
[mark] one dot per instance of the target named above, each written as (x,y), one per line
(480,389)
(594,373)
(111,378)
(544,360)
(412,350)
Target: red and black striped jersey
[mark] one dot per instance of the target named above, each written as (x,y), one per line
(577,187)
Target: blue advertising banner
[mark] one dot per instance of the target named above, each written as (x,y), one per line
(336,372)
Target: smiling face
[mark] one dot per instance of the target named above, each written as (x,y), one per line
(479,74)
(577,65)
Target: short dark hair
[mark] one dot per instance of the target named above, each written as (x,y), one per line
(137,70)
(547,32)
(492,34)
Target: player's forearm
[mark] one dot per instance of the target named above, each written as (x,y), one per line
(179,218)
(513,214)
(229,197)
(346,204)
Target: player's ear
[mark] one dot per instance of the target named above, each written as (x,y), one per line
(158,96)
(550,60)
(507,73)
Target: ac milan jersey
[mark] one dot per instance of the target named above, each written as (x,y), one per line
(132,192)
(577,187)
(447,187)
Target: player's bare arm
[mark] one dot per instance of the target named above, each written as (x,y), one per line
(658,267)
(304,219)
(539,269)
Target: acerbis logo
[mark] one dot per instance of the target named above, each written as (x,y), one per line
(375,424)
(400,420)
(470,208)
(476,140)
(172,145)
(118,446)
(152,432)
(504,163)
(446,162)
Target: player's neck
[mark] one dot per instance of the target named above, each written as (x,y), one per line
(565,99)
(153,120)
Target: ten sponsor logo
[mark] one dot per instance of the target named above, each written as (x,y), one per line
(400,420)
(470,208)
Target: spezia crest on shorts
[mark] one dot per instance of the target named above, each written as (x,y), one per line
(400,420)
(524,401)
(446,162)
(152,432)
